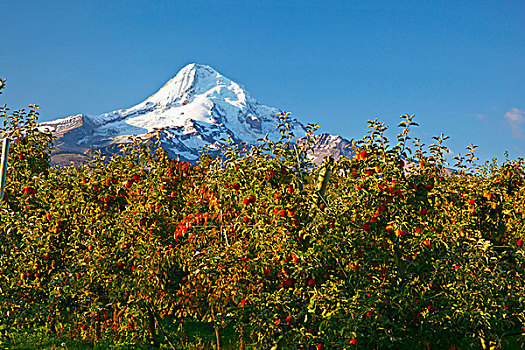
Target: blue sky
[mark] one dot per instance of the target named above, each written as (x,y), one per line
(458,65)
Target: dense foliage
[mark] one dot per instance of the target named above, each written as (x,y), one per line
(388,249)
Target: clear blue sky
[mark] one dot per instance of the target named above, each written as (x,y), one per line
(458,65)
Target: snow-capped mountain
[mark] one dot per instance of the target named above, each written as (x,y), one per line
(197,107)
(329,145)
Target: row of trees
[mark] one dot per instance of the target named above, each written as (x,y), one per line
(381,250)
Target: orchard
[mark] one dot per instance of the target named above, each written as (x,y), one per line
(259,249)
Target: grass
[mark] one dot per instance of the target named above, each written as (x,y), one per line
(196,335)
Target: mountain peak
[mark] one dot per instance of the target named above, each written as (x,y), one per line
(195,70)
(192,79)
(198,67)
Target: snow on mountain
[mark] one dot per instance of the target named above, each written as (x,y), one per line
(329,145)
(197,107)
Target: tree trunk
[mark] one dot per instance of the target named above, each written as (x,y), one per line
(241,345)
(151,327)
(216,327)
(115,322)
(97,326)
(51,328)
(217,335)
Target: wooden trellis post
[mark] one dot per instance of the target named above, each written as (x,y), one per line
(324,176)
(3,166)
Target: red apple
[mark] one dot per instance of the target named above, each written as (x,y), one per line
(288,320)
